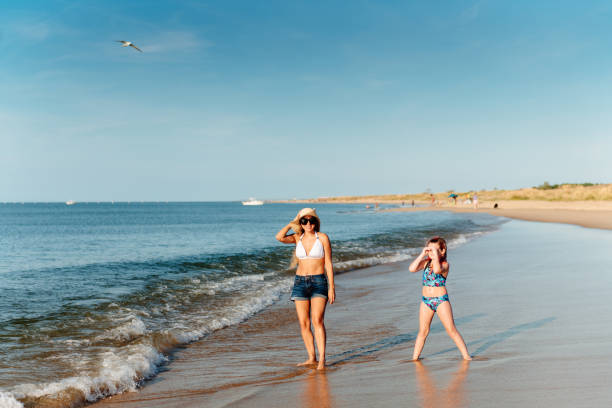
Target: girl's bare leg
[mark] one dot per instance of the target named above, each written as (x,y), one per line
(425,316)
(303,312)
(317,310)
(445,313)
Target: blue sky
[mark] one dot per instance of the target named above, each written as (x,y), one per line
(282,99)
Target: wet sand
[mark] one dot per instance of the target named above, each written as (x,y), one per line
(530,301)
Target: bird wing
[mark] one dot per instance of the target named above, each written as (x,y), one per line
(121,41)
(132,45)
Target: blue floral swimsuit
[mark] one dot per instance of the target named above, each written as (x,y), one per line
(435,280)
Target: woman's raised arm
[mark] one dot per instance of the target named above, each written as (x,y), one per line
(282,236)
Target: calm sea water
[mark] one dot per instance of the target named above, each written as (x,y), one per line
(94,296)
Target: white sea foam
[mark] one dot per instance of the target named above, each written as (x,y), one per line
(74,342)
(199,325)
(461,239)
(7,400)
(124,368)
(119,371)
(127,331)
(399,256)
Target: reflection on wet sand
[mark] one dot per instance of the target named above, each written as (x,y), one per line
(315,391)
(432,397)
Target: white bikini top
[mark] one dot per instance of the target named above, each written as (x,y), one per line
(316,252)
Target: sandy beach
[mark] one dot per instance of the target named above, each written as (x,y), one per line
(590,214)
(528,299)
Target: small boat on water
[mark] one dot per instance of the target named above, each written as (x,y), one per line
(252,201)
(70,202)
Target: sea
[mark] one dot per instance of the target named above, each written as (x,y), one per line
(94,297)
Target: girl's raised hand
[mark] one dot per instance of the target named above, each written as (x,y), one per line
(432,253)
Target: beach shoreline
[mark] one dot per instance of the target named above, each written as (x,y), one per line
(371,331)
(589,217)
(589,214)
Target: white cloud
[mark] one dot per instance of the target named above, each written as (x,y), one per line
(33,31)
(470,13)
(377,84)
(175,41)
(310,78)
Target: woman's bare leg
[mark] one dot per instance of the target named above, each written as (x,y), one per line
(317,310)
(445,313)
(425,316)
(303,312)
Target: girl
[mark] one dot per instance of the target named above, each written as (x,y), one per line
(432,261)
(314,279)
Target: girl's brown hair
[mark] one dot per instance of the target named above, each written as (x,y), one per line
(442,243)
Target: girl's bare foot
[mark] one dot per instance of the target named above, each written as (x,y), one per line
(467,358)
(321,365)
(310,361)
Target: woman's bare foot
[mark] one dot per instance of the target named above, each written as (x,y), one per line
(310,361)
(321,365)
(467,358)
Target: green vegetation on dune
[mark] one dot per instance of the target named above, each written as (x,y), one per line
(546,186)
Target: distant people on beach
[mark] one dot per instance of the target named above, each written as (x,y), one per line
(433,200)
(432,261)
(314,280)
(413,203)
(475,200)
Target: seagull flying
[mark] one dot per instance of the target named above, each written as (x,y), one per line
(128,44)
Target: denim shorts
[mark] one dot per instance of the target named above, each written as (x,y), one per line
(309,286)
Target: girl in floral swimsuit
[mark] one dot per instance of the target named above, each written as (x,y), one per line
(432,261)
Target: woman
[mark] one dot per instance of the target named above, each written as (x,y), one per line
(432,261)
(314,279)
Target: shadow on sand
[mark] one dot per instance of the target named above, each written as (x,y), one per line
(496,338)
(485,342)
(392,341)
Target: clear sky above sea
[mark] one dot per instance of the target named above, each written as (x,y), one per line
(283,99)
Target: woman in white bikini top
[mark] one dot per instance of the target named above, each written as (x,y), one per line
(317,251)
(314,279)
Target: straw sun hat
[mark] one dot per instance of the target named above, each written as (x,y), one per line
(295,224)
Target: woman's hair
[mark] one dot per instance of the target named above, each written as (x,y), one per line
(442,243)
